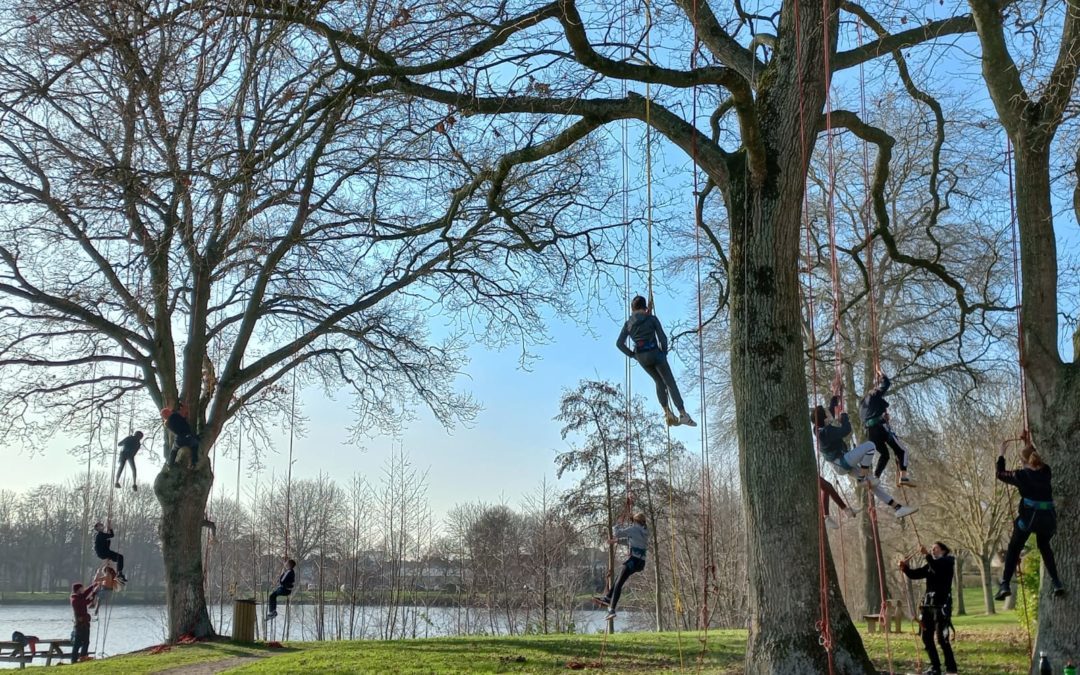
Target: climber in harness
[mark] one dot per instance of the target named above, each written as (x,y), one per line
(130,446)
(650,350)
(873,409)
(176,421)
(636,536)
(832,428)
(103,548)
(1036,514)
(936,608)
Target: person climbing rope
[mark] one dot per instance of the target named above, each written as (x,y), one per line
(103,548)
(284,588)
(873,409)
(1036,514)
(829,493)
(832,432)
(130,446)
(105,581)
(936,607)
(636,536)
(650,350)
(176,421)
(80,636)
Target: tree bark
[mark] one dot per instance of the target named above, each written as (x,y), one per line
(958,582)
(987,577)
(182,493)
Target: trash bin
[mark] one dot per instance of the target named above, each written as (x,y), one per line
(243,620)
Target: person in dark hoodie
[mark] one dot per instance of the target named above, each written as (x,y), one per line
(284,588)
(873,409)
(1036,515)
(831,431)
(636,536)
(650,350)
(936,607)
(176,421)
(103,548)
(130,446)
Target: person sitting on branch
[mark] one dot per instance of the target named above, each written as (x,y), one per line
(130,446)
(284,588)
(873,409)
(176,421)
(103,548)
(1036,513)
(650,350)
(636,535)
(936,607)
(831,432)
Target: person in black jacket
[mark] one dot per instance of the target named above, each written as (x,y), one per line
(103,548)
(650,350)
(176,421)
(284,588)
(1036,515)
(130,446)
(936,607)
(873,409)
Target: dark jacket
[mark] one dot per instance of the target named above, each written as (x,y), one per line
(874,405)
(831,439)
(1034,485)
(130,445)
(178,424)
(938,573)
(646,332)
(101,542)
(287,579)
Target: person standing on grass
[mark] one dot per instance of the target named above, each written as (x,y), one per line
(936,607)
(636,536)
(284,588)
(80,636)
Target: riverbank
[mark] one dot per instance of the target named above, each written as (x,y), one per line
(981,650)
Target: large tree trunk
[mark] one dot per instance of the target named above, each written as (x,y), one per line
(776,455)
(182,493)
(873,582)
(958,583)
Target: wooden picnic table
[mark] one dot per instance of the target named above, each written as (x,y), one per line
(14,652)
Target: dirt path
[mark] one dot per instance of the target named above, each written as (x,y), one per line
(211,667)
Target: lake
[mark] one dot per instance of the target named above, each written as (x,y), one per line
(126,628)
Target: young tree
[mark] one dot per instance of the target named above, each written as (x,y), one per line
(196,205)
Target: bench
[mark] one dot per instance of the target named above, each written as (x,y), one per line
(50,650)
(891,622)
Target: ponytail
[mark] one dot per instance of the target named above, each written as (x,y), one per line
(1032,458)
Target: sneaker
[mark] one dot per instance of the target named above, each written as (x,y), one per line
(117,484)
(670,418)
(871,481)
(684,418)
(831,523)
(1059,589)
(1003,591)
(905,511)
(134,488)
(931,671)
(610,615)
(906,482)
(270,615)
(602,599)
(122,578)
(852,511)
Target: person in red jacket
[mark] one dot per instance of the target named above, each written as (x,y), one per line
(80,637)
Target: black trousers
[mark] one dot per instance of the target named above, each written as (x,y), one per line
(655,364)
(632,566)
(937,622)
(191,442)
(1043,524)
(882,441)
(80,640)
(281,592)
(126,459)
(116,558)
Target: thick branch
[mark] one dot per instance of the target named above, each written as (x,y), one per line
(886,43)
(999,70)
(725,48)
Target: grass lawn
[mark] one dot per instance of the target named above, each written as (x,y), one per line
(982,649)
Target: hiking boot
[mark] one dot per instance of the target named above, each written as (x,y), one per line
(831,523)
(1003,591)
(684,418)
(905,511)
(610,615)
(1059,589)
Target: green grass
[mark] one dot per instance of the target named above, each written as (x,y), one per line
(983,648)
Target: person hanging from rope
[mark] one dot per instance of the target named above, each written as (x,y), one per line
(936,607)
(650,350)
(130,446)
(103,548)
(832,429)
(829,493)
(176,420)
(284,588)
(1036,513)
(875,417)
(636,535)
(105,581)
(80,636)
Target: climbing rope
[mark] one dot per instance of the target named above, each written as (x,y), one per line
(1009,155)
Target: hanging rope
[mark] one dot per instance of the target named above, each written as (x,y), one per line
(1009,158)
